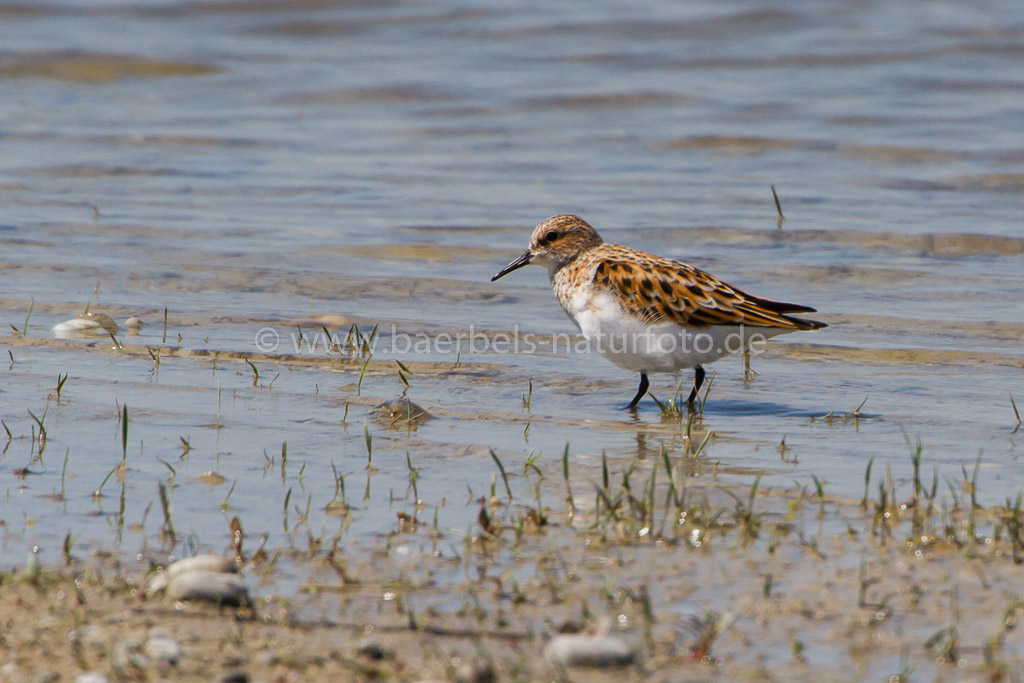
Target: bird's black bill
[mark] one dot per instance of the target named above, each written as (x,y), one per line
(523,260)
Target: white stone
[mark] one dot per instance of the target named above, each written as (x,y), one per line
(216,587)
(91,677)
(100,323)
(587,650)
(163,648)
(11,673)
(211,563)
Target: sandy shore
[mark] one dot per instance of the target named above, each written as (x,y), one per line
(795,586)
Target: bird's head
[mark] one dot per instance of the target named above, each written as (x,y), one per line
(555,243)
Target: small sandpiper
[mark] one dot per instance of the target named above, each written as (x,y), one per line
(646,313)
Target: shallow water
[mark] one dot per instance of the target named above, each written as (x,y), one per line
(259,165)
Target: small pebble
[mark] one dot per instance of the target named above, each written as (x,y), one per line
(211,478)
(133,323)
(48,677)
(474,671)
(331,320)
(211,563)
(368,647)
(216,587)
(126,655)
(163,648)
(399,413)
(587,650)
(47,621)
(100,323)
(265,659)
(91,677)
(233,658)
(32,564)
(233,677)
(92,635)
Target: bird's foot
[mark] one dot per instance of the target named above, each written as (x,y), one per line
(748,373)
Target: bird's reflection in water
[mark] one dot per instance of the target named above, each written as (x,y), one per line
(684,445)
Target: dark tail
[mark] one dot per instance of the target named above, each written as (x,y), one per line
(804,323)
(781,306)
(786,310)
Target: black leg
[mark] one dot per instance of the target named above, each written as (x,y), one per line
(639,392)
(698,379)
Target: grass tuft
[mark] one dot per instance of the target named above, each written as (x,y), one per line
(61,381)
(504,474)
(124,432)
(778,207)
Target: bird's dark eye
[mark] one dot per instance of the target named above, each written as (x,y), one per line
(551,236)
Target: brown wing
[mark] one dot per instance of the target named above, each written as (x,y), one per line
(658,289)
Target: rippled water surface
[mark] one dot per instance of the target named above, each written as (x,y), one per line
(251,165)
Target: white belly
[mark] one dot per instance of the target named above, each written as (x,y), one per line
(665,347)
